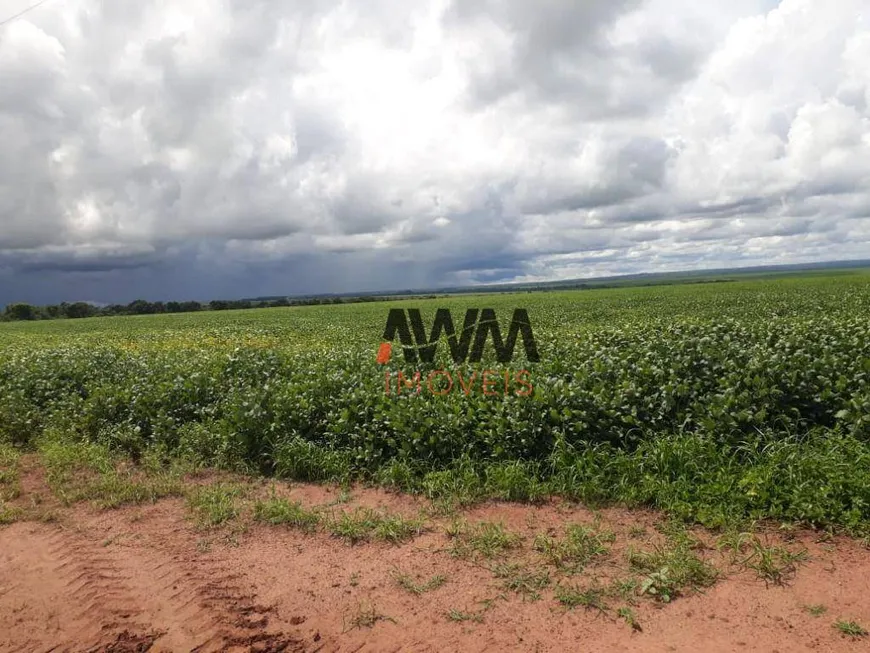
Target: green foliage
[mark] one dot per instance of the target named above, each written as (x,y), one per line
(672,569)
(627,614)
(89,471)
(572,596)
(483,539)
(9,483)
(213,505)
(20,312)
(576,549)
(277,510)
(365,524)
(9,514)
(526,582)
(9,473)
(851,628)
(718,403)
(772,564)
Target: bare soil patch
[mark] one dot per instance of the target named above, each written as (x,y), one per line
(150,577)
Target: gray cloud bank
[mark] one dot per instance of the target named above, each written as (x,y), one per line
(202,149)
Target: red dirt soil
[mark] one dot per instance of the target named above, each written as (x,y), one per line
(143,578)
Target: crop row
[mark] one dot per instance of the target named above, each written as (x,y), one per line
(714,413)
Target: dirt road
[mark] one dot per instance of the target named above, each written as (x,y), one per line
(145,578)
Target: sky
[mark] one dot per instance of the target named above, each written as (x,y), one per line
(202,149)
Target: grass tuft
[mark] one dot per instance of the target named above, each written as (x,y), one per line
(214,505)
(576,549)
(816,609)
(673,568)
(367,615)
(628,616)
(461,616)
(526,582)
(280,511)
(364,524)
(481,540)
(772,564)
(851,629)
(409,584)
(572,596)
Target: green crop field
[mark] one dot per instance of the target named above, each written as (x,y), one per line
(715,402)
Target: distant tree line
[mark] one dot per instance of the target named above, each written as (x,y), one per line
(21,311)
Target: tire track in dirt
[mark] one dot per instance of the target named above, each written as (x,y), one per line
(146,579)
(200,607)
(75,594)
(104,599)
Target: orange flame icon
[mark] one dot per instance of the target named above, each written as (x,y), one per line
(384,353)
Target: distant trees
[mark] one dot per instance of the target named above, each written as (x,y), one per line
(224,305)
(79,309)
(24,311)
(141,307)
(20,312)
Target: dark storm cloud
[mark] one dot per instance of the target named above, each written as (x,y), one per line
(197,150)
(73,264)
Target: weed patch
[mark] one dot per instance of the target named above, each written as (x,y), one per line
(481,540)
(526,582)
(409,584)
(214,505)
(579,546)
(280,511)
(673,568)
(850,628)
(364,524)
